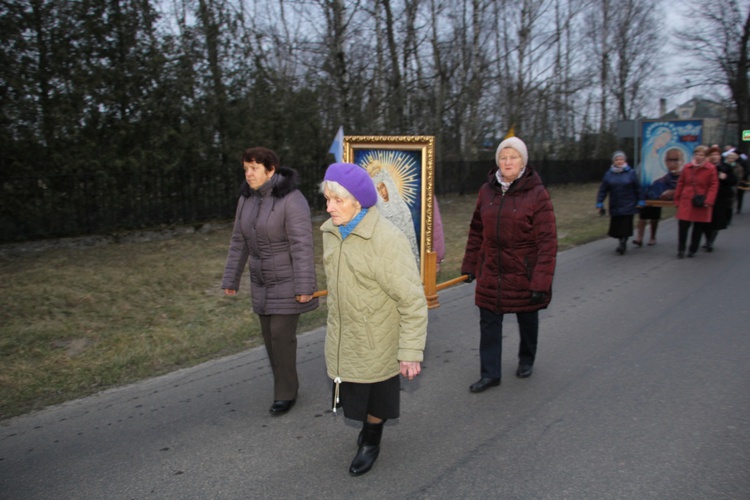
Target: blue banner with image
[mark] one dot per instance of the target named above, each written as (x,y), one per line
(678,137)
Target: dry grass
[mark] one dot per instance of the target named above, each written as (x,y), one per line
(74,321)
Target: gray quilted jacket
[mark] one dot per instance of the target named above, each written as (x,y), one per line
(377,312)
(273,231)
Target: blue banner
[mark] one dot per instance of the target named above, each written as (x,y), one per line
(678,136)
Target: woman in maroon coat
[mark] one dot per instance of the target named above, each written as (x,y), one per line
(698,178)
(511,252)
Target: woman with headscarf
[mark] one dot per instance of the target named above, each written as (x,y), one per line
(511,252)
(377,311)
(621,183)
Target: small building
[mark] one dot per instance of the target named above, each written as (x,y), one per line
(719,120)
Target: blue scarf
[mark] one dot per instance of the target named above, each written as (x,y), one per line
(347,228)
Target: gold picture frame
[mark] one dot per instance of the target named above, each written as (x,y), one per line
(409,163)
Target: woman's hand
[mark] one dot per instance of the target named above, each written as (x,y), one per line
(667,195)
(410,369)
(227,291)
(302,299)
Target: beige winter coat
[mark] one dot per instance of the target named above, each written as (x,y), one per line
(377,312)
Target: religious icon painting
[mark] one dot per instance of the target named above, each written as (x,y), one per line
(402,169)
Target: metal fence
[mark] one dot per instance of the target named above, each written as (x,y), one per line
(53,206)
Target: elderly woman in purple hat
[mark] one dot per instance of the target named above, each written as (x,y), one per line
(377,311)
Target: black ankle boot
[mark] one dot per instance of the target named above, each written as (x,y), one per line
(368,450)
(622,246)
(361,436)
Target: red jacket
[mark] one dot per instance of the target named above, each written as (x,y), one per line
(512,245)
(696,180)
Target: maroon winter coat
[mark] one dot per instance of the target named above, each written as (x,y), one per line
(512,245)
(696,180)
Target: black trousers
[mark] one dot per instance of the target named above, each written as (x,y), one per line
(491,340)
(280,336)
(695,238)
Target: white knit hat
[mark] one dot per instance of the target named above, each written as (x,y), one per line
(515,143)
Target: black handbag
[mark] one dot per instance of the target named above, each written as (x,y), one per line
(699,200)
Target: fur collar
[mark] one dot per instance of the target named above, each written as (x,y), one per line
(284,181)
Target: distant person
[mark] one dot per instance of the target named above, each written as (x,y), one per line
(621,183)
(732,159)
(721,214)
(694,196)
(377,310)
(273,231)
(511,252)
(661,189)
(741,172)
(744,181)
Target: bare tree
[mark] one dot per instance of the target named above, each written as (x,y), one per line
(637,43)
(718,43)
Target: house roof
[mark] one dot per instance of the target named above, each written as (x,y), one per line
(696,108)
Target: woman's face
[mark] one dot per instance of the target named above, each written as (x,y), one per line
(699,157)
(715,158)
(341,210)
(619,161)
(256,174)
(511,164)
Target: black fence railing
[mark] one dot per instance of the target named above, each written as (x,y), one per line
(52,206)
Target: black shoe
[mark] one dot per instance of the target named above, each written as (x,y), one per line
(281,406)
(691,254)
(369,449)
(484,383)
(524,371)
(680,255)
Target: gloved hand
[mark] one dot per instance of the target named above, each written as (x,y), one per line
(470,277)
(602,211)
(538,297)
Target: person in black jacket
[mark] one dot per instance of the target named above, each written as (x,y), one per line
(722,210)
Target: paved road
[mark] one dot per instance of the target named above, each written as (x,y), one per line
(641,390)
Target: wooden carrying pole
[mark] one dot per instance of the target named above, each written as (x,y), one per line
(430,287)
(454,281)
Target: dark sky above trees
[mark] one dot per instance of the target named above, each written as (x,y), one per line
(103,85)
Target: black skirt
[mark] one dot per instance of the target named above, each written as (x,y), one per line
(379,399)
(650,213)
(621,226)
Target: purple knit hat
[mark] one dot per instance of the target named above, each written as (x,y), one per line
(354,179)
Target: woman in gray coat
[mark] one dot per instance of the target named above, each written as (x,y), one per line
(273,231)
